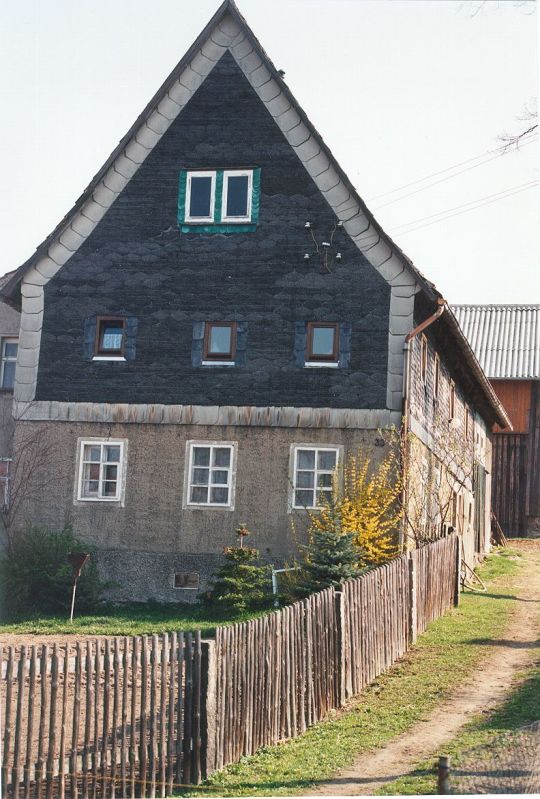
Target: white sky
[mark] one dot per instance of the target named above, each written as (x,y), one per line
(399,89)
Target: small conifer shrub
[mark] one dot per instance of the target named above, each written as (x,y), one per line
(243,583)
(331,556)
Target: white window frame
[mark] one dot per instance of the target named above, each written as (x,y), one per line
(229,173)
(231,483)
(292,471)
(200,220)
(119,498)
(5,480)
(8,359)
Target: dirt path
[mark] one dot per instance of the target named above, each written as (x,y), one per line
(491,681)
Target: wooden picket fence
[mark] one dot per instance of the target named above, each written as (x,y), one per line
(118,717)
(137,717)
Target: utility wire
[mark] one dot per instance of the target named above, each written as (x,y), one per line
(466,210)
(529,183)
(442,180)
(489,154)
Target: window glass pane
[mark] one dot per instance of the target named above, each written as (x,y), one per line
(8,374)
(323,496)
(220,495)
(220,477)
(92,453)
(111,472)
(303,499)
(324,480)
(220,339)
(200,477)
(10,349)
(322,341)
(90,489)
(91,471)
(199,494)
(305,459)
(109,488)
(4,468)
(111,334)
(201,456)
(237,195)
(305,479)
(222,456)
(200,196)
(112,454)
(326,460)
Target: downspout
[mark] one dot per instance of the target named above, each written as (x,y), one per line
(441,302)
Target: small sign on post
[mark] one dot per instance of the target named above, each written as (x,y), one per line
(77,560)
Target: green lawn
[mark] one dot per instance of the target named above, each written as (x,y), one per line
(439,662)
(133,619)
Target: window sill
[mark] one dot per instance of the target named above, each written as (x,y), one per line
(218,363)
(118,358)
(218,227)
(107,500)
(194,506)
(321,365)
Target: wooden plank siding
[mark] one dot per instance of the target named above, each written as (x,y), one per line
(509,486)
(516,396)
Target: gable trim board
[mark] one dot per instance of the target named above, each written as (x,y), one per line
(227,31)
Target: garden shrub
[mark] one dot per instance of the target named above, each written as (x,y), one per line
(242,583)
(36,577)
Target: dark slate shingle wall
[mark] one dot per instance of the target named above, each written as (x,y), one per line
(137,263)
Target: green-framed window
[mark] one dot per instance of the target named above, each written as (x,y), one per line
(219,200)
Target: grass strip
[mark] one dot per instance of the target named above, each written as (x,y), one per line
(520,708)
(130,619)
(438,663)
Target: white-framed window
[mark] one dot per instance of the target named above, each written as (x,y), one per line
(312,473)
(5,466)
(210,474)
(200,197)
(101,470)
(10,348)
(237,194)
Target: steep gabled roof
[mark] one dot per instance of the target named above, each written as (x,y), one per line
(228,31)
(505,338)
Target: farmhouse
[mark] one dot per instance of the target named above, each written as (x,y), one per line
(218,323)
(506,341)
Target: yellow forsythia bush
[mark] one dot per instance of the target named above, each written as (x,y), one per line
(368,506)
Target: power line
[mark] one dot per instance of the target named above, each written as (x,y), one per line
(464,205)
(466,210)
(489,154)
(442,180)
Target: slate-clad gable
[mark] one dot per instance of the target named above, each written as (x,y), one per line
(137,263)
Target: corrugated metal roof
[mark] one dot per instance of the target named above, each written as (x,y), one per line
(505,338)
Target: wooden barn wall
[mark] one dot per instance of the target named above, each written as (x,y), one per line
(515,395)
(509,481)
(533,465)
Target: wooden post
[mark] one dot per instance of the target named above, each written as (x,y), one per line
(443,774)
(457,585)
(412,600)
(208,708)
(342,661)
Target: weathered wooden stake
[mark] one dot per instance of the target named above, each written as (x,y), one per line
(443,773)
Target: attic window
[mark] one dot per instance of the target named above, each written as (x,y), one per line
(322,342)
(236,205)
(110,337)
(200,196)
(219,341)
(219,200)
